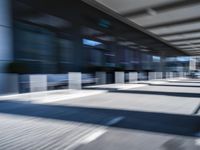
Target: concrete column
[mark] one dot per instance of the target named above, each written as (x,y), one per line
(6,45)
(100,77)
(8,82)
(75,80)
(162,74)
(184,74)
(133,77)
(192,64)
(181,74)
(38,83)
(159,75)
(119,77)
(171,75)
(152,75)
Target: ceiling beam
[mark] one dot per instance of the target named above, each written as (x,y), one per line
(180,40)
(185,44)
(192,52)
(189,46)
(191,49)
(174,23)
(160,8)
(178,33)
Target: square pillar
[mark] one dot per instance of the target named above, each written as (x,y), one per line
(159,75)
(133,77)
(38,83)
(171,75)
(75,80)
(119,77)
(8,82)
(152,75)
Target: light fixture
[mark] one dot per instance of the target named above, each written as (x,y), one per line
(151,12)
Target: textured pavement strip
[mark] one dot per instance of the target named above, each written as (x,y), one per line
(21,133)
(24,132)
(87,138)
(23,128)
(61,142)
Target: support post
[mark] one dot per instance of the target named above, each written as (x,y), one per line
(75,80)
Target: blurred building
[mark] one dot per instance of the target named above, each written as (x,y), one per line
(58,37)
(54,37)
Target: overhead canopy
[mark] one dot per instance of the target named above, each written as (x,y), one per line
(176,22)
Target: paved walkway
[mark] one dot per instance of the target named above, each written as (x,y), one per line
(157,116)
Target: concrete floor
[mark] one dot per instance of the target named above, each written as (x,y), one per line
(154,116)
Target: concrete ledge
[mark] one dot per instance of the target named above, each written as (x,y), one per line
(51,96)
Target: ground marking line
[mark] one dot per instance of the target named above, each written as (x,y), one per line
(115,120)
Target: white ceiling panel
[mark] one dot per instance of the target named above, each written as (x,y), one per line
(169,16)
(176,28)
(182,37)
(122,6)
(186,42)
(189,46)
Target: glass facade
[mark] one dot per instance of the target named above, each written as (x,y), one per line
(47,43)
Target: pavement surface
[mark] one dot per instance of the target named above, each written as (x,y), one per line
(158,115)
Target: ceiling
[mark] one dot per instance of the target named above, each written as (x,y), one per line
(176,22)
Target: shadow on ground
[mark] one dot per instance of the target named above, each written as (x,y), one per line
(178,94)
(172,85)
(147,121)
